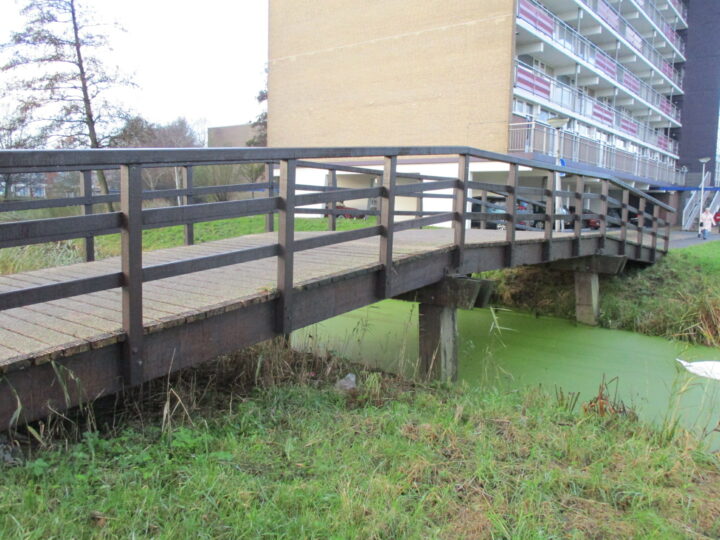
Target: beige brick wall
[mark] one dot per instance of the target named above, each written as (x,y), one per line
(390,72)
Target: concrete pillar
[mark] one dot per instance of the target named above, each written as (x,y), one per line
(587,297)
(438,342)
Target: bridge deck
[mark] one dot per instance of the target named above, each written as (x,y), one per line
(41,332)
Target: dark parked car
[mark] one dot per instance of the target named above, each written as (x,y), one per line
(354,213)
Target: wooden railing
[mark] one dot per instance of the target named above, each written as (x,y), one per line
(287,198)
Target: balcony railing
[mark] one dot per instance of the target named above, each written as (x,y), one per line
(563,95)
(680,8)
(652,12)
(529,137)
(618,23)
(566,37)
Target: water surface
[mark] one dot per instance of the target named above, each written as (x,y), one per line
(511,349)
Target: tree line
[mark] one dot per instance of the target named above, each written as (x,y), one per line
(58,93)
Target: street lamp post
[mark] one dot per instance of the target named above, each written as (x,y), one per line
(702,193)
(558,122)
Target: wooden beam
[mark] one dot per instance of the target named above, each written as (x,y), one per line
(577,214)
(270,216)
(511,208)
(86,193)
(331,180)
(387,219)
(460,208)
(185,200)
(452,291)
(549,184)
(131,267)
(640,227)
(286,240)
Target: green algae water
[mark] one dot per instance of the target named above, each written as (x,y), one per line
(508,349)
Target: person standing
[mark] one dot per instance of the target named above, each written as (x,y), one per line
(707,220)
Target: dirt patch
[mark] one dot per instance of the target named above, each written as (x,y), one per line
(469,520)
(595,519)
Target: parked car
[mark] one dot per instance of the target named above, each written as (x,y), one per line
(354,213)
(489,223)
(499,208)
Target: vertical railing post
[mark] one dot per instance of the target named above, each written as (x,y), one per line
(549,220)
(86,193)
(286,240)
(511,208)
(604,194)
(419,203)
(270,216)
(459,209)
(131,264)
(331,181)
(186,199)
(624,221)
(483,207)
(387,218)
(654,233)
(577,215)
(641,226)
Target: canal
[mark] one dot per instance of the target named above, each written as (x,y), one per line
(509,349)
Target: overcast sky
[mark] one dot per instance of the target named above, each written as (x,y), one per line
(201,59)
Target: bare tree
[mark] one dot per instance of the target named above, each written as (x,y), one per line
(15,133)
(140,133)
(55,72)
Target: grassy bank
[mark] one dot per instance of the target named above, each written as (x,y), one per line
(294,458)
(678,298)
(32,257)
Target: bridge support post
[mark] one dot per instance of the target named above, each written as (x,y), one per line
(587,283)
(438,342)
(587,297)
(438,333)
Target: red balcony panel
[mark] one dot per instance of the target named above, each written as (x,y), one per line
(609,14)
(537,17)
(606,64)
(603,114)
(667,69)
(536,84)
(631,82)
(666,107)
(664,142)
(634,38)
(628,126)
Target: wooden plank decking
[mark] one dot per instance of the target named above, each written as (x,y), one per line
(39,333)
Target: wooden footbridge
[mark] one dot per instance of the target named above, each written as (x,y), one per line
(77,332)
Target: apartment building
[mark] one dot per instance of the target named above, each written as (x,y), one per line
(597,83)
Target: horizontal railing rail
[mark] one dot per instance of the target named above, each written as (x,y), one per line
(457,199)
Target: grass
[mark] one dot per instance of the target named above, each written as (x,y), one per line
(32,257)
(294,458)
(677,298)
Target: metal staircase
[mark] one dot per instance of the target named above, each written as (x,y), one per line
(693,206)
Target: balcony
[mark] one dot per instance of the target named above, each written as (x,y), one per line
(528,79)
(658,21)
(567,38)
(680,10)
(533,137)
(625,30)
